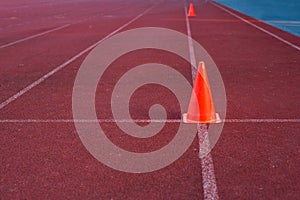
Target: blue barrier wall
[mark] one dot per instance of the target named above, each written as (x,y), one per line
(281,14)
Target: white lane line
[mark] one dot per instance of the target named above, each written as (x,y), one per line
(142,121)
(33,36)
(190,43)
(262,120)
(58,68)
(90,121)
(52,30)
(208,176)
(258,27)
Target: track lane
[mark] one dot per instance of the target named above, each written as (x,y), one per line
(41,55)
(252,161)
(261,77)
(37,16)
(52,99)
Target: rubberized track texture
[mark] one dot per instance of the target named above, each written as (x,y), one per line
(43,44)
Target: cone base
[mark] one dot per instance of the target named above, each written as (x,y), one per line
(188,121)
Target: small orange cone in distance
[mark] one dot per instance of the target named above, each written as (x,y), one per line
(191,11)
(201,108)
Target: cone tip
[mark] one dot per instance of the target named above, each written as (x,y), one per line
(202,64)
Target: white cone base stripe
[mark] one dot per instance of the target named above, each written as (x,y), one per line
(185,120)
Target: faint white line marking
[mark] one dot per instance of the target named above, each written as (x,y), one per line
(52,30)
(33,36)
(208,176)
(90,121)
(142,121)
(58,68)
(261,120)
(259,28)
(283,21)
(289,25)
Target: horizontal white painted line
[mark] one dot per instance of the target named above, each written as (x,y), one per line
(262,120)
(33,36)
(141,120)
(89,120)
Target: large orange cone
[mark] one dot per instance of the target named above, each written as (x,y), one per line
(201,108)
(191,11)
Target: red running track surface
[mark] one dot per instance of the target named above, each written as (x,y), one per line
(46,160)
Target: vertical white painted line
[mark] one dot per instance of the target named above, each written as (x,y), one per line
(190,43)
(208,176)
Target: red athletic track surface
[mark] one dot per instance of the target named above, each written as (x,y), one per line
(48,161)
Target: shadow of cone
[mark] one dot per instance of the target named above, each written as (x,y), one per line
(191,12)
(201,108)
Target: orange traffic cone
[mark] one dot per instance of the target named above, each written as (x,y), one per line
(191,11)
(201,108)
